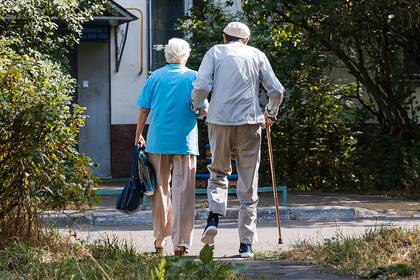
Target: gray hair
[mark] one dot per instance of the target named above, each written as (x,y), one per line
(177,51)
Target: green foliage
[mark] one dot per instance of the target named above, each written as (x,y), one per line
(49,27)
(385,162)
(40,167)
(369,39)
(60,258)
(326,137)
(203,26)
(313,139)
(205,268)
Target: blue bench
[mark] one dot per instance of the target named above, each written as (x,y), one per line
(206,176)
(282,189)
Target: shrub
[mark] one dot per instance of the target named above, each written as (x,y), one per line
(40,167)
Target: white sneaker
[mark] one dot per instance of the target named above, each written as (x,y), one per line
(208,235)
(245,250)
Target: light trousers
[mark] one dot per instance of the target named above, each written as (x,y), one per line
(244,142)
(173,211)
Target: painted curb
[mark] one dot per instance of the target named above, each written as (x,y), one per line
(308,213)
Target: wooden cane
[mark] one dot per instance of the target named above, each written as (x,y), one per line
(273,182)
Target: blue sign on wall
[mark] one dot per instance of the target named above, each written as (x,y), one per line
(95,33)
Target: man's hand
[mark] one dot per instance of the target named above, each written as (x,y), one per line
(140,141)
(268,121)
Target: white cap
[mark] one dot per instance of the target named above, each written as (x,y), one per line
(237,29)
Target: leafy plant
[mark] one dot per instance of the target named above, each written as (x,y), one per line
(49,27)
(205,268)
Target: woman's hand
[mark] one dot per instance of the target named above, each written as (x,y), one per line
(140,141)
(202,113)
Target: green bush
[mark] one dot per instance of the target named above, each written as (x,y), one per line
(40,167)
(386,163)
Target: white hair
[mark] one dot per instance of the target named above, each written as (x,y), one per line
(177,51)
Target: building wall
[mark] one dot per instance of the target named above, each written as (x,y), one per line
(126,85)
(128,81)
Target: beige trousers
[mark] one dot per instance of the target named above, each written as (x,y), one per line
(173,215)
(244,142)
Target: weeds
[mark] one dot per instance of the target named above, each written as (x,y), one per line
(60,258)
(386,253)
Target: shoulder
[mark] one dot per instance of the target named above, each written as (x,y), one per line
(189,73)
(157,73)
(256,51)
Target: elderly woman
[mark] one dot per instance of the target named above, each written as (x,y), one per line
(172,144)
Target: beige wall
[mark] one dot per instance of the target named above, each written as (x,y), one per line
(128,82)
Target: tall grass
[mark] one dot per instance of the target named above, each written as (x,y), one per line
(110,258)
(385,252)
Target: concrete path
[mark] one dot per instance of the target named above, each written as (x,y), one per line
(227,240)
(285,270)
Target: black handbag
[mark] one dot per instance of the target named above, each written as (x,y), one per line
(132,194)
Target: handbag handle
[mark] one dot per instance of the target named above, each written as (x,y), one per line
(134,164)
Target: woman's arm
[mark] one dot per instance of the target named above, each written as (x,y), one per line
(141,121)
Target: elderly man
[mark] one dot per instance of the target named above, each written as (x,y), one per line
(172,144)
(232,72)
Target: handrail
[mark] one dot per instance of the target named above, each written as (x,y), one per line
(141,37)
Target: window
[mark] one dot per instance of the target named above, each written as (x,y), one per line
(164,16)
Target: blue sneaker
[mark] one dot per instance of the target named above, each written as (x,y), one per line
(211,229)
(245,250)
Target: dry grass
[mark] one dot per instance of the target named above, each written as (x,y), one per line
(384,253)
(110,258)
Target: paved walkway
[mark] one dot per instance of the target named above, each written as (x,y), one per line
(286,270)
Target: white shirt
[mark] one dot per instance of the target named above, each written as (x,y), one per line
(233,72)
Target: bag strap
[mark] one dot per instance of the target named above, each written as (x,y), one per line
(134,164)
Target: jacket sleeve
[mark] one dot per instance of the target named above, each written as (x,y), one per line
(272,85)
(204,82)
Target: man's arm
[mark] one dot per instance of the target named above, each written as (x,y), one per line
(141,121)
(204,82)
(275,89)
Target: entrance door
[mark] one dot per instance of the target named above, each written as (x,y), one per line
(94,94)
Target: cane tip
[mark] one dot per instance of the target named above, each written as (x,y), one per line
(280,241)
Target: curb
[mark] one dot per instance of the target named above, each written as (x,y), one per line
(307,213)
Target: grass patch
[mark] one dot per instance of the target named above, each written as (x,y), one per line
(385,253)
(61,258)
